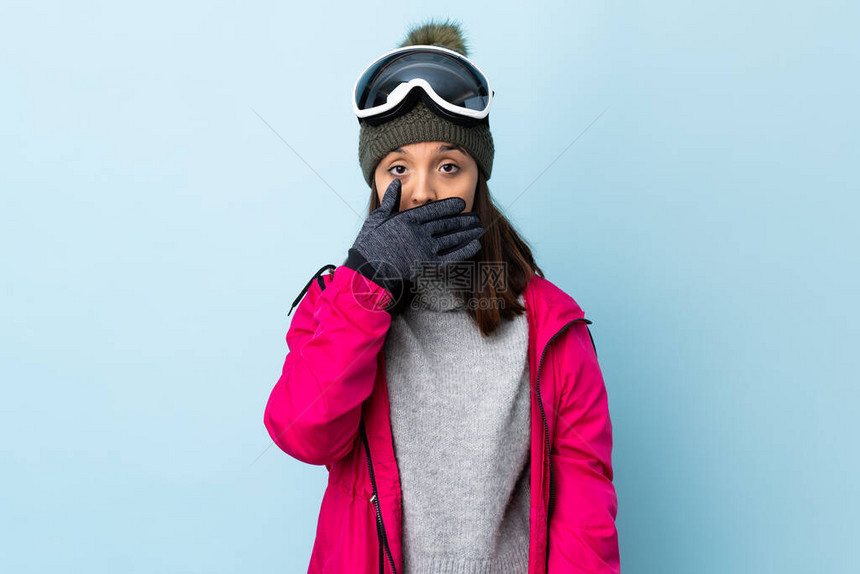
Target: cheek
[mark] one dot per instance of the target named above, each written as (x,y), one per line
(472,193)
(381,185)
(379,180)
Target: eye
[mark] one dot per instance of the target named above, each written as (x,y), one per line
(395,167)
(453,165)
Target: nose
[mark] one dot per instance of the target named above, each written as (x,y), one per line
(419,189)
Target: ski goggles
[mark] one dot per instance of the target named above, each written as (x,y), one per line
(449,83)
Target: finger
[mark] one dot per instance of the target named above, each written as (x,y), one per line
(390,203)
(454,241)
(465,252)
(437,209)
(445,225)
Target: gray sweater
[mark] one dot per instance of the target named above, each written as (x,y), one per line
(460,407)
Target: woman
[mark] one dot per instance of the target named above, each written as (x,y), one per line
(452,391)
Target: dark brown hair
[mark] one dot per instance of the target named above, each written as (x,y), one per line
(488,301)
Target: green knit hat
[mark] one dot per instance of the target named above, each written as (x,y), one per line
(420,124)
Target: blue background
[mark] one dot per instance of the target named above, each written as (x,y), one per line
(172,174)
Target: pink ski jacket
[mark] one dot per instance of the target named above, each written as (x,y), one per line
(330,407)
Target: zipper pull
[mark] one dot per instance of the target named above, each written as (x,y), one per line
(373,498)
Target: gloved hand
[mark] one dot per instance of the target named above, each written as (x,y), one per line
(392,244)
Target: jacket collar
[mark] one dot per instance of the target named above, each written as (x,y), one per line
(549,309)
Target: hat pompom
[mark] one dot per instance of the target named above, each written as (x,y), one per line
(446,34)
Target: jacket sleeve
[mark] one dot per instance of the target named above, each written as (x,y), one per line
(333,341)
(582,533)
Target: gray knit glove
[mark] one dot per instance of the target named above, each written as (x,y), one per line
(393,245)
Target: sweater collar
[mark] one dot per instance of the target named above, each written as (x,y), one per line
(432,293)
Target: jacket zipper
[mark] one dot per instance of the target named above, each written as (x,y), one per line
(546,426)
(380,525)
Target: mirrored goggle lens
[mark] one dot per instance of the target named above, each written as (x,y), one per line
(456,81)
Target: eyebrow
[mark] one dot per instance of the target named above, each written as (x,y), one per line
(443,147)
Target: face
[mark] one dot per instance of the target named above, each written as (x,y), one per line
(428,171)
